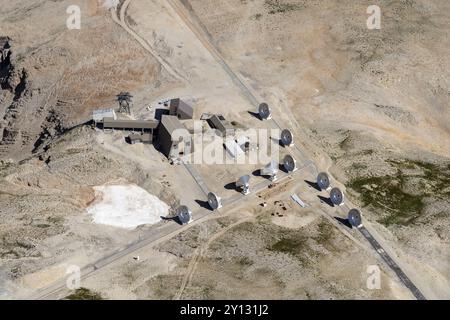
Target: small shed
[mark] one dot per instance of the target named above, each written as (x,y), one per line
(243,142)
(233,148)
(181,109)
(218,122)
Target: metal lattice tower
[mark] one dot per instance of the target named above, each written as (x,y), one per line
(125,102)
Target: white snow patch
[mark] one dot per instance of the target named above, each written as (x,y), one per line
(126,206)
(109,4)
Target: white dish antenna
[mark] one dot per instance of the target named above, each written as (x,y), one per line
(354,217)
(184,214)
(243,184)
(336,196)
(287,139)
(323,182)
(270,170)
(289,163)
(264,111)
(214,201)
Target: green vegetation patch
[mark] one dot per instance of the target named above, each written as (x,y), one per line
(389,194)
(279,6)
(289,245)
(304,244)
(295,245)
(71,151)
(162,286)
(245,261)
(325,233)
(84,294)
(238,125)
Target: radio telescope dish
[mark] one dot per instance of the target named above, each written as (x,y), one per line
(336,196)
(354,217)
(184,214)
(264,111)
(214,201)
(270,170)
(287,139)
(289,163)
(323,182)
(243,184)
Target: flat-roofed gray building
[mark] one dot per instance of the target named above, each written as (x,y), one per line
(181,109)
(173,138)
(132,125)
(142,126)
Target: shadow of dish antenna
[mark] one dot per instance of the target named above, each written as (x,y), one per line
(264,111)
(214,201)
(336,196)
(270,170)
(289,163)
(323,182)
(184,215)
(243,184)
(354,217)
(286,138)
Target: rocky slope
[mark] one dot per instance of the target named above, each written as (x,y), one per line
(52,77)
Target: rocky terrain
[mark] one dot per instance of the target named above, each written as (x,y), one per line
(53,77)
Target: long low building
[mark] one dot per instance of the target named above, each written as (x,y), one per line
(132,125)
(146,128)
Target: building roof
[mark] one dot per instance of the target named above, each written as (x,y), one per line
(131,124)
(99,114)
(220,123)
(186,109)
(233,148)
(178,106)
(171,123)
(173,106)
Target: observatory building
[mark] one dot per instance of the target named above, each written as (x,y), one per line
(174,139)
(181,109)
(142,126)
(218,122)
